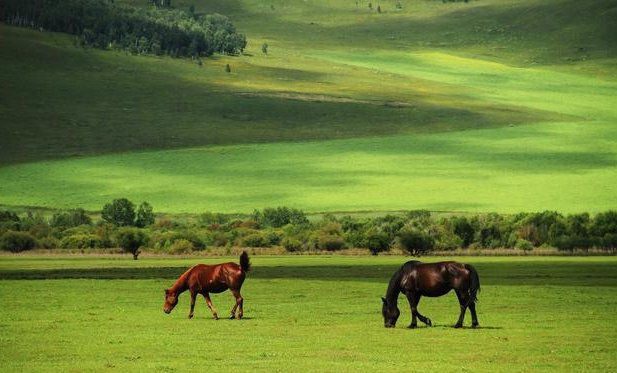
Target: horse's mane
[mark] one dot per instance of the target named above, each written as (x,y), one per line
(394,286)
(180,285)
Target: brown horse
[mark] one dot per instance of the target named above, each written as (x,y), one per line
(415,279)
(205,279)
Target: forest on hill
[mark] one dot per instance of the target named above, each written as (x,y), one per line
(139,30)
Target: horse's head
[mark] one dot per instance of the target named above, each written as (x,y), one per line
(390,313)
(171,299)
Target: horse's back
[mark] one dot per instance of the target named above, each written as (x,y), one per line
(434,279)
(218,277)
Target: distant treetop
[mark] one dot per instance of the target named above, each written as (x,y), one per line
(157,30)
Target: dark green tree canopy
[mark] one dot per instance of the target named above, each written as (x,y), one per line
(121,212)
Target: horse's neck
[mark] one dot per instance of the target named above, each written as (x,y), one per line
(181,284)
(394,288)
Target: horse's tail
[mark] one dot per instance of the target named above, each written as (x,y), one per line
(245,263)
(474,283)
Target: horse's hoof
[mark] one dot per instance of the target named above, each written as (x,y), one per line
(232,317)
(475,326)
(429,322)
(457,326)
(216,317)
(412,326)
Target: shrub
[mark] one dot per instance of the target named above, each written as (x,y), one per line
(292,244)
(73,218)
(48,243)
(181,246)
(330,242)
(164,240)
(464,229)
(278,217)
(414,241)
(17,241)
(377,242)
(82,241)
(524,245)
(254,240)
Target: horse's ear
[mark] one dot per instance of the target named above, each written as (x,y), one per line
(384,300)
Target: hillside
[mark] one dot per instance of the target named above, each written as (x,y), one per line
(427,74)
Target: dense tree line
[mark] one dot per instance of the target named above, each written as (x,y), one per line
(104,24)
(124,225)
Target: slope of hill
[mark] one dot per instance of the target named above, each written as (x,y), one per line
(334,70)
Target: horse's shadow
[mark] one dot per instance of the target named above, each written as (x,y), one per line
(446,326)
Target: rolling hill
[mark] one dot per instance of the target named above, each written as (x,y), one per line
(479,106)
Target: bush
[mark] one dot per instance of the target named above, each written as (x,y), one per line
(292,244)
(377,242)
(73,218)
(524,245)
(164,240)
(254,240)
(279,217)
(414,241)
(464,229)
(48,243)
(17,241)
(82,241)
(181,246)
(330,242)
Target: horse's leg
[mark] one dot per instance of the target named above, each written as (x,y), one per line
(210,306)
(474,317)
(413,302)
(422,318)
(463,300)
(238,305)
(193,296)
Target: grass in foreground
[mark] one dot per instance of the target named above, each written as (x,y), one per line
(305,314)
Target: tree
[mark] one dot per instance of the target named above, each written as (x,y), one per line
(73,218)
(377,241)
(17,241)
(145,216)
(278,217)
(464,229)
(121,212)
(131,240)
(414,241)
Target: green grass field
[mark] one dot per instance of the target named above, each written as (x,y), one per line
(99,314)
(487,106)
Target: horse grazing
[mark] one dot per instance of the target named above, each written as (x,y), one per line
(416,279)
(205,279)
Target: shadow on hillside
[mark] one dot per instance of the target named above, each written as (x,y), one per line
(528,273)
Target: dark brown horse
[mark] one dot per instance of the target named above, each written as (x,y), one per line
(205,279)
(416,279)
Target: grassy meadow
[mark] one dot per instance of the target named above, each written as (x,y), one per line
(487,106)
(304,314)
